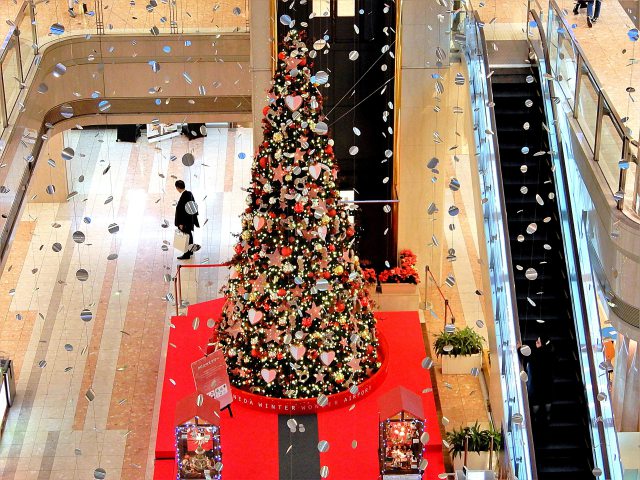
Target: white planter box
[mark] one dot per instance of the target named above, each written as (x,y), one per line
(475,461)
(460,365)
(399,288)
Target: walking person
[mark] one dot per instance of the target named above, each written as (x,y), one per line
(186,218)
(70,3)
(579,5)
(539,368)
(593,13)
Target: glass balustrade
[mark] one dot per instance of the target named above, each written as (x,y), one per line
(36,25)
(602,128)
(575,207)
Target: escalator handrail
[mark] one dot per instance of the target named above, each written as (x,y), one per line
(580,316)
(507,247)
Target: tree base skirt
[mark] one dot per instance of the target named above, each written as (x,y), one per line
(310,405)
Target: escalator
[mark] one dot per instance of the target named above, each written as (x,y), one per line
(561,435)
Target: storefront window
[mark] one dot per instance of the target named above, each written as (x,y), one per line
(346,8)
(321,8)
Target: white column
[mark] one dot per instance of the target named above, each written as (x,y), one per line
(631,404)
(262,26)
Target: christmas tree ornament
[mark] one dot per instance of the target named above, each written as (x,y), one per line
(295,299)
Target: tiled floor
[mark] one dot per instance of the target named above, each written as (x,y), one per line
(53,431)
(120,16)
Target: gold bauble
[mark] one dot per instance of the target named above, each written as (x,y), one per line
(338,270)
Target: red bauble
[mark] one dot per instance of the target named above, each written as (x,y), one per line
(306,322)
(279,356)
(265,144)
(332,248)
(238,248)
(329,149)
(272,215)
(326,275)
(254,353)
(285,251)
(282,292)
(350,232)
(282,55)
(298,208)
(369,348)
(263,162)
(332,212)
(339,307)
(265,110)
(303,62)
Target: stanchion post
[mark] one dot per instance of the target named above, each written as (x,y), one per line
(175,295)
(179,285)
(446,308)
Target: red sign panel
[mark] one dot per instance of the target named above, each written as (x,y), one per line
(211,377)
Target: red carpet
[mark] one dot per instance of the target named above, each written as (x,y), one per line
(340,427)
(249,440)
(241,435)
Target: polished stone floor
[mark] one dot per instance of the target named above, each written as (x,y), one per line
(54,431)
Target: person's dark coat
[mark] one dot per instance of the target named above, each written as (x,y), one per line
(188,222)
(539,366)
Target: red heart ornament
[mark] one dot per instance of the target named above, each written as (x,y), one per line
(297,351)
(327,357)
(293,102)
(268,375)
(255,316)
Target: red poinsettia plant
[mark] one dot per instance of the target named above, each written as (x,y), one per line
(405,272)
(370,276)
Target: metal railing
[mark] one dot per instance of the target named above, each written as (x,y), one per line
(32,28)
(606,454)
(177,281)
(17,55)
(518,439)
(612,146)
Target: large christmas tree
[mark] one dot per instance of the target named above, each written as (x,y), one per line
(297,322)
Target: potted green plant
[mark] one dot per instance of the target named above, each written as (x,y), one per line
(482,447)
(460,350)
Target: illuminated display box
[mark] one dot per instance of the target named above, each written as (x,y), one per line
(198,452)
(402,435)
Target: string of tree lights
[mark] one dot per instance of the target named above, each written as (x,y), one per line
(297,322)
